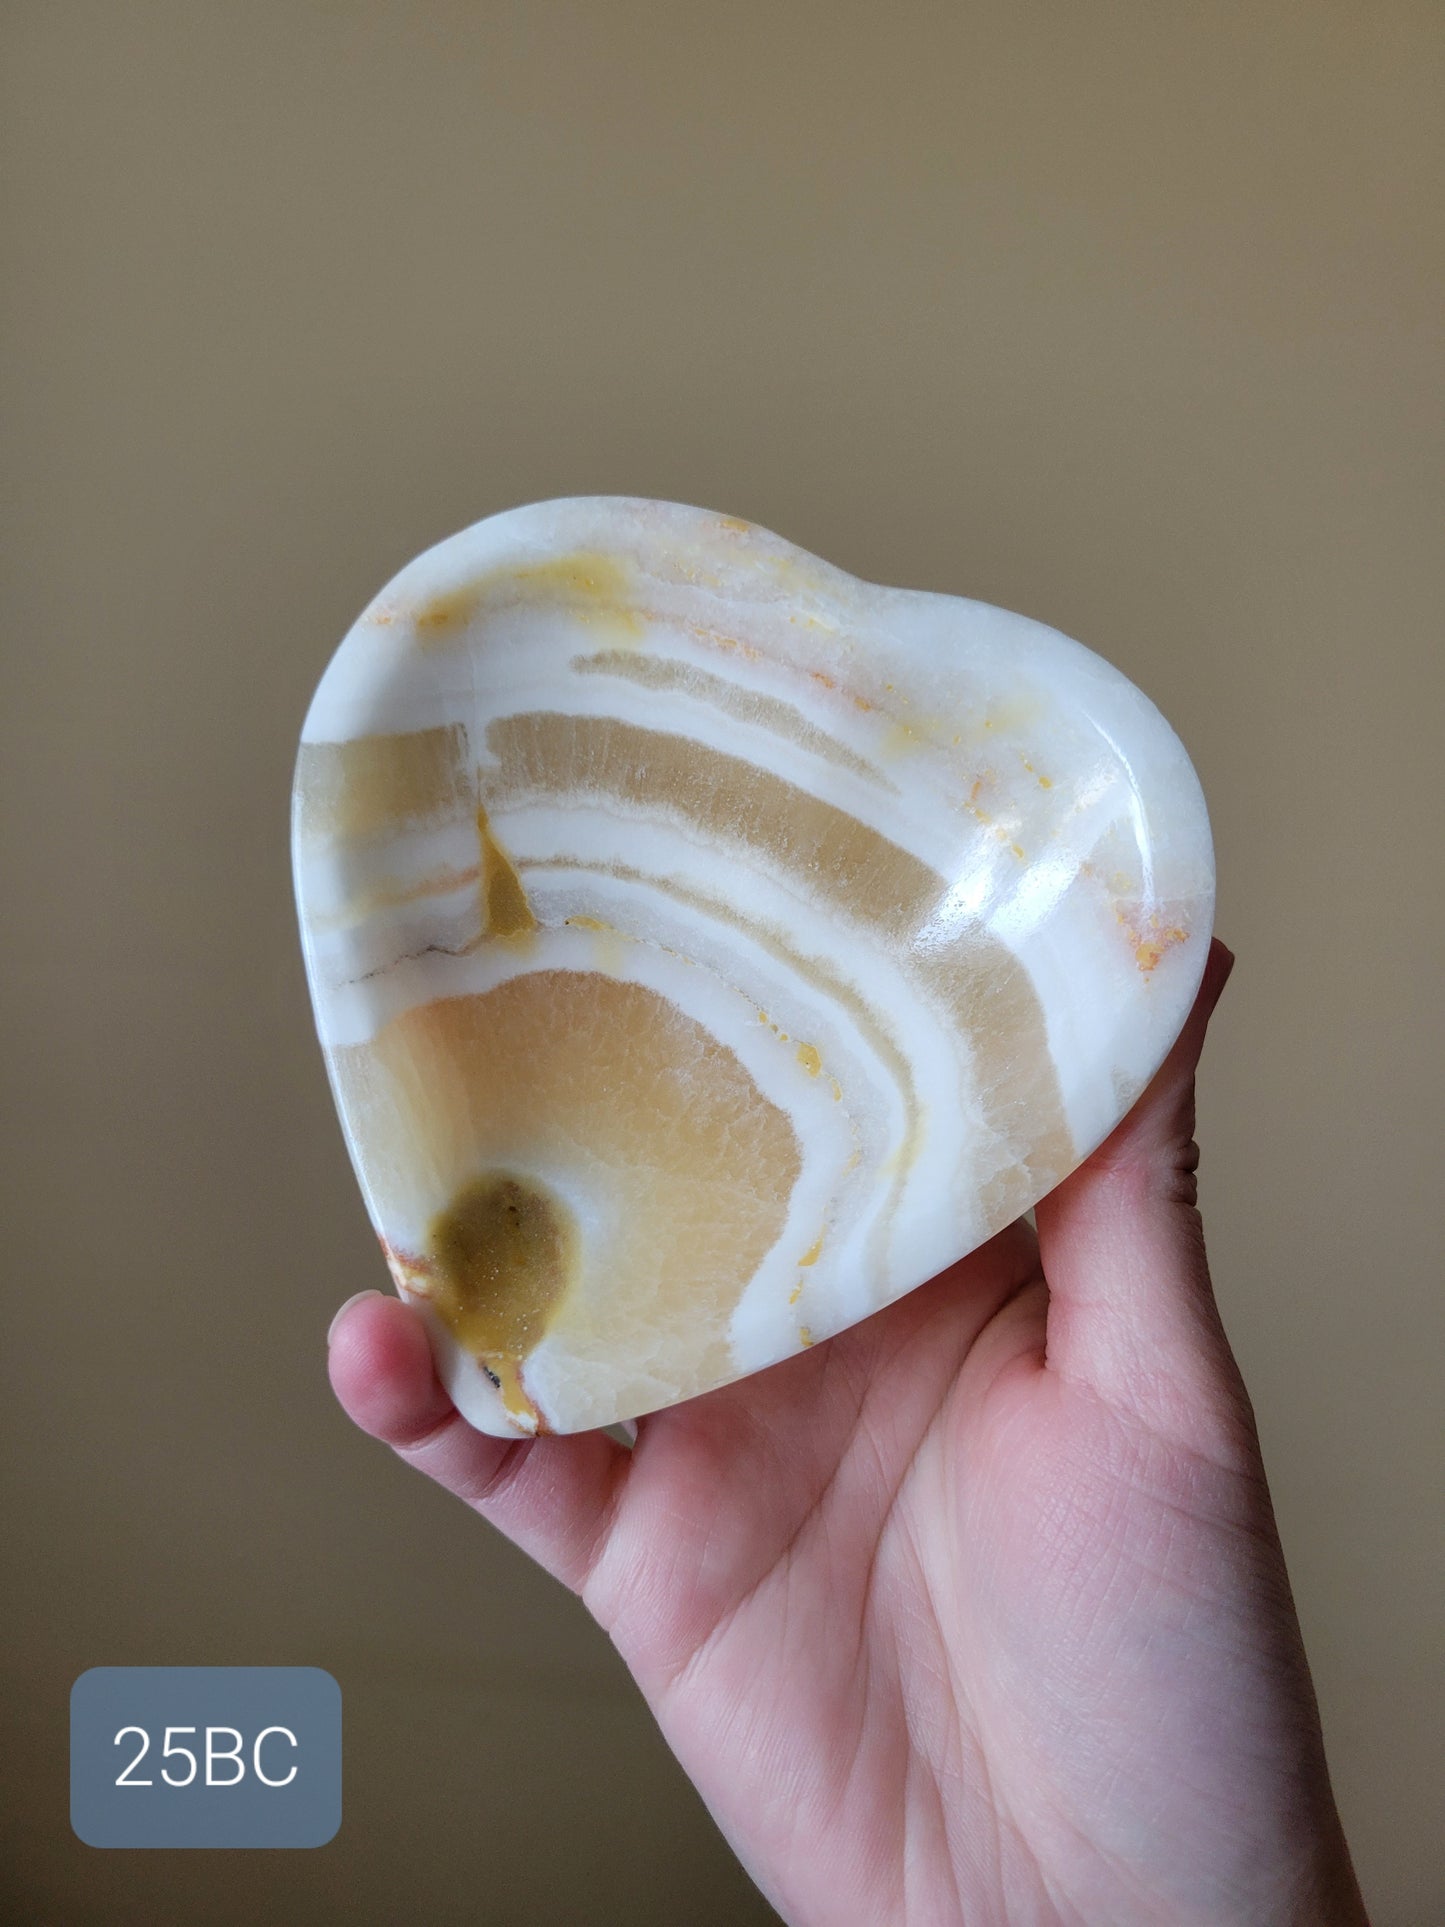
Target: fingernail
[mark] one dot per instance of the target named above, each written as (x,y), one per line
(355,1299)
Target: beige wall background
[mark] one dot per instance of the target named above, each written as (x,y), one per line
(1125,315)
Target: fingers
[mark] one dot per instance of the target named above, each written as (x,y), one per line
(1131,1308)
(553,1496)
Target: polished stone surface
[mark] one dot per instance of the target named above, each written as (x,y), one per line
(707,947)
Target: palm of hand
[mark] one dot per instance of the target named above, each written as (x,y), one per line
(936,1633)
(974,1613)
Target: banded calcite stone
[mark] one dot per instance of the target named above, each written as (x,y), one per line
(707,947)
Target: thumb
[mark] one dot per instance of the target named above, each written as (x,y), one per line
(1131,1308)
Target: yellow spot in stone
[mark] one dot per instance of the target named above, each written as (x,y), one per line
(898,738)
(506,1373)
(608,953)
(805,1336)
(1043,781)
(975,808)
(505,909)
(589,586)
(813,1253)
(587,574)
(443,615)
(716,639)
(502,1255)
(808,1057)
(1153,949)
(904,1154)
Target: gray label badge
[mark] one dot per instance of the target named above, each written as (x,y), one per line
(205,1756)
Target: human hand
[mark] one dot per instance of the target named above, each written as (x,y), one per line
(976,1612)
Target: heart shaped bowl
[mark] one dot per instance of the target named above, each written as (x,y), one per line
(707,947)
